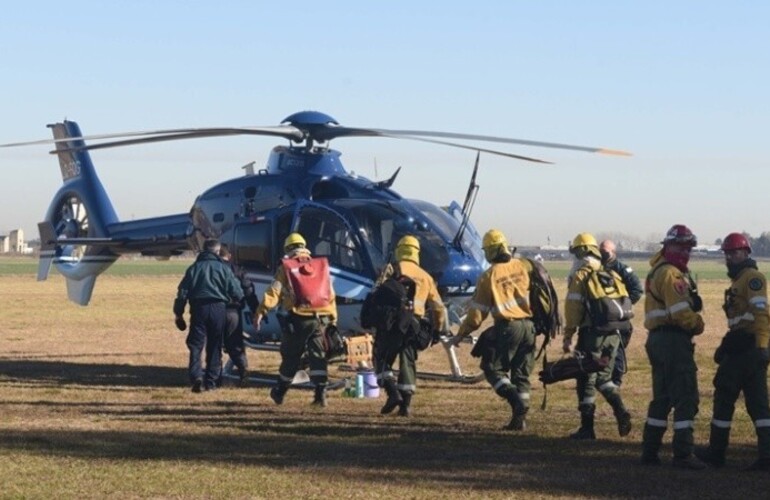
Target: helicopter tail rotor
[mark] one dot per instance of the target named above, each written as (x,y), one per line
(78,215)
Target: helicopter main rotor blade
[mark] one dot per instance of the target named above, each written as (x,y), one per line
(286,131)
(471,148)
(333,132)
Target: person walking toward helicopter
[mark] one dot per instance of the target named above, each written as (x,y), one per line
(595,310)
(635,290)
(302,288)
(401,328)
(234,343)
(508,347)
(208,285)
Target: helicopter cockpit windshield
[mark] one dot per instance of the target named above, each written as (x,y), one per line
(381,224)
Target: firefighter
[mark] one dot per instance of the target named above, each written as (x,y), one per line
(742,356)
(591,341)
(389,344)
(302,287)
(507,352)
(635,289)
(671,314)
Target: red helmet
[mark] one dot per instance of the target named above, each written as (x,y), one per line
(679,233)
(735,241)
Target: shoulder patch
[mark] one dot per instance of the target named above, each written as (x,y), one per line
(755,284)
(681,286)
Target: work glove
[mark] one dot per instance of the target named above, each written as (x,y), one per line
(180,323)
(455,340)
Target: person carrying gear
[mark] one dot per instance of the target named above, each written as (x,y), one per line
(742,356)
(508,347)
(594,338)
(671,315)
(302,287)
(234,344)
(391,341)
(207,285)
(635,291)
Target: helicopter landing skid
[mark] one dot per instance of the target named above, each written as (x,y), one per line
(301,379)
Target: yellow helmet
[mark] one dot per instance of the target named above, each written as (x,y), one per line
(584,240)
(294,239)
(408,248)
(493,238)
(585,243)
(494,244)
(409,241)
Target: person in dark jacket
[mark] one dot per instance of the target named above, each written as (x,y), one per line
(208,285)
(234,345)
(635,291)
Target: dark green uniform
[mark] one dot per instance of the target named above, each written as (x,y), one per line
(742,363)
(672,322)
(596,342)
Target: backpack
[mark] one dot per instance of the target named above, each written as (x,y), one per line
(309,281)
(609,305)
(389,307)
(544,302)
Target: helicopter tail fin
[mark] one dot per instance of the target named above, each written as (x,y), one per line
(78,219)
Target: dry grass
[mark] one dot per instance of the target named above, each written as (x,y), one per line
(95,403)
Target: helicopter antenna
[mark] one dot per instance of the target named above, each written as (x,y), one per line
(470,200)
(387,182)
(376,174)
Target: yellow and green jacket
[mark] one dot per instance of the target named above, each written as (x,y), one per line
(503,292)
(746,305)
(425,293)
(575,314)
(667,298)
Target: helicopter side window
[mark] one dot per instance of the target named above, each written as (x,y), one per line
(327,235)
(253,243)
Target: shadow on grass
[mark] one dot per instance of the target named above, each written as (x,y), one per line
(59,373)
(452,452)
(385,450)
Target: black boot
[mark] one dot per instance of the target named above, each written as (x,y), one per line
(405,409)
(394,397)
(518,412)
(710,457)
(586,430)
(652,436)
(621,414)
(319,398)
(279,391)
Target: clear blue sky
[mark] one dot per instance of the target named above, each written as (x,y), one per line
(683,85)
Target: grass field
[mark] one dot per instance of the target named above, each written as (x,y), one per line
(94,403)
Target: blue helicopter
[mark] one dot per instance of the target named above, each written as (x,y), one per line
(351,220)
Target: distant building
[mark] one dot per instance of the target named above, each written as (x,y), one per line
(14,242)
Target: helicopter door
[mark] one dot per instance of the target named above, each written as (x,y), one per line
(328,235)
(253,246)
